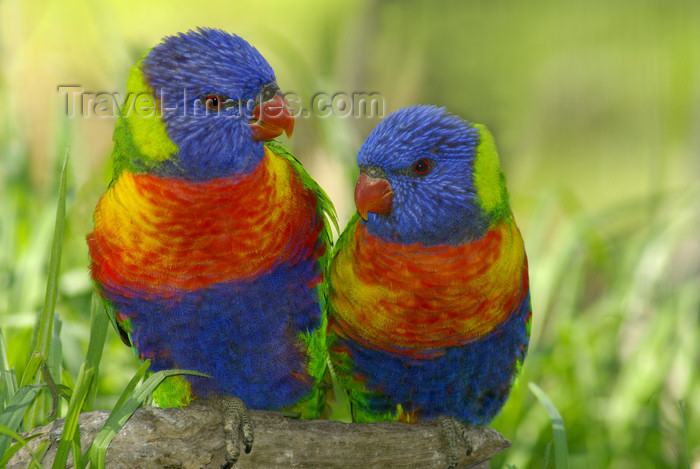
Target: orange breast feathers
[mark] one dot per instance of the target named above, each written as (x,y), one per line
(164,236)
(412,299)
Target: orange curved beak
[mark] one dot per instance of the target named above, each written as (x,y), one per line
(271,118)
(373,195)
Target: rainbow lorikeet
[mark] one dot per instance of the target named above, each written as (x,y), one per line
(429,304)
(211,244)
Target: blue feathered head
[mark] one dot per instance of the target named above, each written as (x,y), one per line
(431,177)
(218,99)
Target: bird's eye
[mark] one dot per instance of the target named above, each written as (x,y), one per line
(422,166)
(268,92)
(214,102)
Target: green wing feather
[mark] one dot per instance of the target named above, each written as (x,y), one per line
(345,388)
(324,202)
(313,406)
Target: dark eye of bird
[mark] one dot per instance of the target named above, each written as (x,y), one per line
(422,166)
(214,102)
(268,92)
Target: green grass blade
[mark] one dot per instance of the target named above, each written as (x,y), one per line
(40,453)
(99,323)
(31,369)
(21,443)
(561,452)
(46,319)
(547,451)
(8,387)
(47,313)
(52,370)
(11,417)
(28,379)
(140,373)
(121,414)
(77,450)
(96,453)
(70,425)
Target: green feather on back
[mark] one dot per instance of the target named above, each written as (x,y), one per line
(313,405)
(324,202)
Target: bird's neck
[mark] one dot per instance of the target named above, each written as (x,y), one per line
(198,163)
(453,226)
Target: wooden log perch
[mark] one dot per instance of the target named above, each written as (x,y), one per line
(193,437)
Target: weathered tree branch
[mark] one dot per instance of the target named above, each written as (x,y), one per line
(193,437)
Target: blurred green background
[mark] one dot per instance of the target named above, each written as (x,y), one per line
(595,107)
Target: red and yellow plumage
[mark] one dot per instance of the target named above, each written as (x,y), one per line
(426,298)
(165,235)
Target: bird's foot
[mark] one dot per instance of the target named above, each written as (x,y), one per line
(238,427)
(456,437)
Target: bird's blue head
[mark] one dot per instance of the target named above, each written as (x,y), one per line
(217,101)
(428,176)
